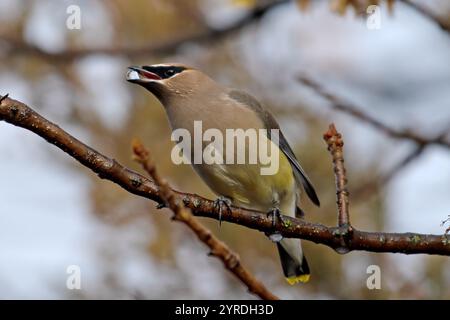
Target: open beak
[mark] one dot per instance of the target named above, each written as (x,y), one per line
(141,76)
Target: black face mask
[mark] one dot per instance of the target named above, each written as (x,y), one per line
(164,72)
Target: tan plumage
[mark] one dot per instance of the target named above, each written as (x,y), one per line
(188,95)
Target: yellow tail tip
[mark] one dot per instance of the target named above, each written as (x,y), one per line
(296,279)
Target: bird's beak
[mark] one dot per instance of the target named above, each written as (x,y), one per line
(141,76)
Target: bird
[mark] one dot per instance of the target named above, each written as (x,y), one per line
(189,95)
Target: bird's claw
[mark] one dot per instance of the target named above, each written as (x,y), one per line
(275,214)
(222,201)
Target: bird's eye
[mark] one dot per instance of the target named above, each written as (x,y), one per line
(169,72)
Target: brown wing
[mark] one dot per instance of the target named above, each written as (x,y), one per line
(271,123)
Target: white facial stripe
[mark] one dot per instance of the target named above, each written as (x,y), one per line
(161,65)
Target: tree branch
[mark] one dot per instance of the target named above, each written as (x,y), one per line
(340,105)
(218,248)
(19,114)
(422,142)
(19,46)
(445,26)
(336,146)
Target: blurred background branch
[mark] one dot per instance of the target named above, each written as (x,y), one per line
(424,9)
(346,107)
(19,46)
(369,189)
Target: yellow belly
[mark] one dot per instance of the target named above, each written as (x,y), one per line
(246,186)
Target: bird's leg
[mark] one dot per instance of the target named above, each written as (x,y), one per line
(218,205)
(275,214)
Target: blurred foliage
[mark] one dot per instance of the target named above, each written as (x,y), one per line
(333,275)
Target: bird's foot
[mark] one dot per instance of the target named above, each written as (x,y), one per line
(275,214)
(219,204)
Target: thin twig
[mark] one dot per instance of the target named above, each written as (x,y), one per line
(336,146)
(348,108)
(21,115)
(218,248)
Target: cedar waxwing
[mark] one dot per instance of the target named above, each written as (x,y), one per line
(188,95)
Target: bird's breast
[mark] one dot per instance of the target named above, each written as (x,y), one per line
(244,183)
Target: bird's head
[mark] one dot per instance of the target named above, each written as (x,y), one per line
(169,80)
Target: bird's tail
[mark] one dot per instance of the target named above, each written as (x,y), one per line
(294,264)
